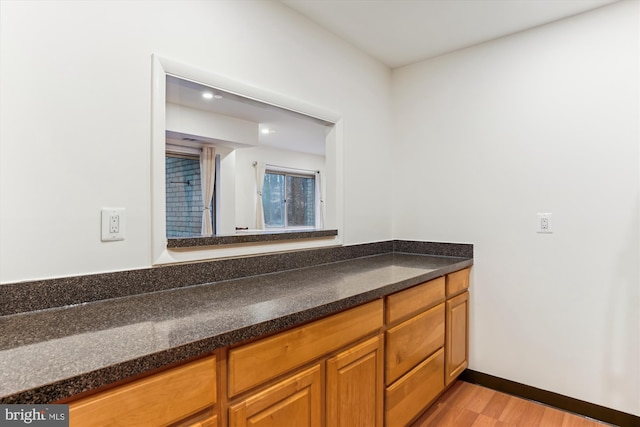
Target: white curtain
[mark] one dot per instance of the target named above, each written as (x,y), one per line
(319,202)
(260,170)
(207,179)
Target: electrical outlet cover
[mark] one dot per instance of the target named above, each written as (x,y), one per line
(114,224)
(545,225)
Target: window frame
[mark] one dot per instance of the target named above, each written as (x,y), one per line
(317,197)
(332,182)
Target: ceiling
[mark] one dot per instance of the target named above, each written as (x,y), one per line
(401,32)
(396,32)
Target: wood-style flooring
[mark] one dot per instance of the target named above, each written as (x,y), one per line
(470,405)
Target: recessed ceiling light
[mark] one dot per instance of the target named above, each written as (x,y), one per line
(265,131)
(207,95)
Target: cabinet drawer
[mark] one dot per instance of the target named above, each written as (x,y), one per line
(411,394)
(457,282)
(257,362)
(156,400)
(410,342)
(414,300)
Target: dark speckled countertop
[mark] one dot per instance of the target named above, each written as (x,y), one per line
(51,354)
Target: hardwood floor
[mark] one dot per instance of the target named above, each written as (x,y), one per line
(470,405)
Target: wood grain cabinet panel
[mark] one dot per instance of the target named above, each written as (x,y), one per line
(354,386)
(457,340)
(457,282)
(211,422)
(411,394)
(207,418)
(157,400)
(260,361)
(410,342)
(295,401)
(411,301)
(207,421)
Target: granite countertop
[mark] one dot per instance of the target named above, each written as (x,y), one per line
(52,354)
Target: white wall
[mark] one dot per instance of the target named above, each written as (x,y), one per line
(75,79)
(542,121)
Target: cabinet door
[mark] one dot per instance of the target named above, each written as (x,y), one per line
(457,340)
(295,401)
(354,386)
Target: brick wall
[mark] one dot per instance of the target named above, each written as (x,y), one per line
(184,197)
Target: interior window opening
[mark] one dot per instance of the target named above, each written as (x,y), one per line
(290,199)
(185,209)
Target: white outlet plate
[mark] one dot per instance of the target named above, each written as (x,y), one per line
(114,224)
(545,224)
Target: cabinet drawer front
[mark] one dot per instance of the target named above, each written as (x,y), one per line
(257,362)
(414,300)
(411,394)
(410,342)
(457,282)
(156,400)
(295,401)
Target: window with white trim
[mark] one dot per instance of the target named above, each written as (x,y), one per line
(289,198)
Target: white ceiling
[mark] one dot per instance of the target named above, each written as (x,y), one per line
(401,32)
(396,32)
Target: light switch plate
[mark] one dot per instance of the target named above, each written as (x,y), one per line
(114,224)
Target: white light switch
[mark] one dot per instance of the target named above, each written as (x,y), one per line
(114,223)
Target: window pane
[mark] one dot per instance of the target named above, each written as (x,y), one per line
(300,201)
(273,200)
